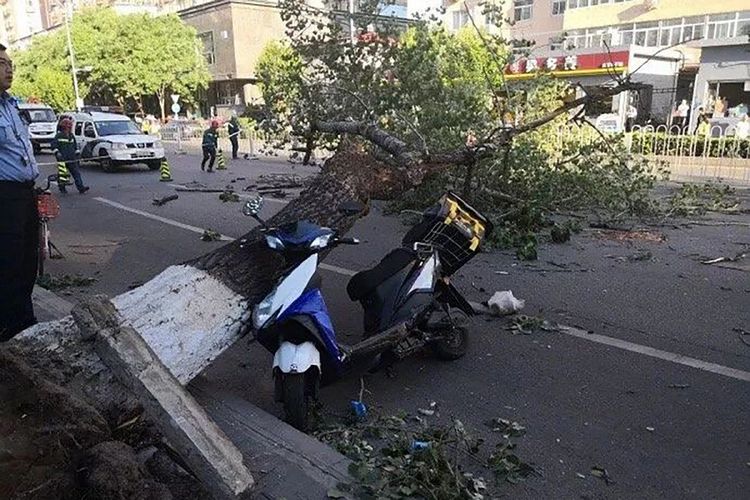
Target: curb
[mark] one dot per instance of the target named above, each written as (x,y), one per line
(285,462)
(48,306)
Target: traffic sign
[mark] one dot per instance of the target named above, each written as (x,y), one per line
(175,98)
(175,108)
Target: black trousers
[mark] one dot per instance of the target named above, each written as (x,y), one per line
(235,146)
(208,152)
(19,254)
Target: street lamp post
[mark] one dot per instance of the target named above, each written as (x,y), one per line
(79,101)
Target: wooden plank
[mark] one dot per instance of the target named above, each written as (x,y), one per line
(212,457)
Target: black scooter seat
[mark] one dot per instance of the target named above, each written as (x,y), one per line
(365,282)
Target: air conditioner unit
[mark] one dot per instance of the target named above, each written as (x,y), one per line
(651,4)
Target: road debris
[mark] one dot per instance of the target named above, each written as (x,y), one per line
(580,476)
(210,235)
(717,260)
(601,473)
(164,200)
(508,428)
(634,235)
(229,196)
(55,283)
(650,429)
(744,335)
(529,324)
(504,303)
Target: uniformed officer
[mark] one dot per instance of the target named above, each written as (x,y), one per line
(19,219)
(210,143)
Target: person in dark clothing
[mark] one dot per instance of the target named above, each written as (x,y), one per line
(66,150)
(19,224)
(234,135)
(210,143)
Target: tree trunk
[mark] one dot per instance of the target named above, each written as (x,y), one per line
(160,96)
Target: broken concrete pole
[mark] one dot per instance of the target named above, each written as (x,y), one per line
(213,458)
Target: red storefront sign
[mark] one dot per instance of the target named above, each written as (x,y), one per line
(578,63)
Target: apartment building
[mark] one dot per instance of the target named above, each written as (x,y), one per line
(234,33)
(19,18)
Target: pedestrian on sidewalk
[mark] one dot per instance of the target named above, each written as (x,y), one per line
(19,224)
(210,143)
(234,134)
(66,150)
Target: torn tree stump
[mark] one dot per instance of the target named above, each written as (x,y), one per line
(213,458)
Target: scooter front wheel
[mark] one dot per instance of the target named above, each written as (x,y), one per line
(298,402)
(454,341)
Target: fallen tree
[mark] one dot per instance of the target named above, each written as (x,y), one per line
(191,312)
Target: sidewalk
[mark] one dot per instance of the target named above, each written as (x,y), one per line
(285,463)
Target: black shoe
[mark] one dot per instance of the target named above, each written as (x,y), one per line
(63,191)
(211,170)
(203,168)
(84,189)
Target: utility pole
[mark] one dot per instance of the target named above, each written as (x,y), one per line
(79,101)
(351,22)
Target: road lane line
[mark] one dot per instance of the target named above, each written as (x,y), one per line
(657,353)
(337,269)
(148,215)
(573,332)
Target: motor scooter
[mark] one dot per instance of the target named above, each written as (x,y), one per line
(408,300)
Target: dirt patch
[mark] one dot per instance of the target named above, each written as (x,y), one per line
(639,235)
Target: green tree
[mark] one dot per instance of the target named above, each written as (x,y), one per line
(127,57)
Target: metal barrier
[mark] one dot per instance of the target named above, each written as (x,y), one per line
(717,154)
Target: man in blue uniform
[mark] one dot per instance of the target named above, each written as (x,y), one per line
(19,219)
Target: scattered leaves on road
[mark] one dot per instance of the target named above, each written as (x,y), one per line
(55,283)
(229,196)
(508,428)
(406,457)
(210,235)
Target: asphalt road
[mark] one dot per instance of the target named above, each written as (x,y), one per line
(658,393)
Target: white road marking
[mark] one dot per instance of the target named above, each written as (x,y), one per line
(657,353)
(171,222)
(337,269)
(573,332)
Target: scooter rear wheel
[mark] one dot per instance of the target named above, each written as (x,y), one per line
(297,401)
(455,343)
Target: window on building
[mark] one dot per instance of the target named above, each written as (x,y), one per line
(208,46)
(227,94)
(522,9)
(460,19)
(743,24)
(693,28)
(721,25)
(558,7)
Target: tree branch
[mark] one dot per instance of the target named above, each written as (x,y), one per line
(405,156)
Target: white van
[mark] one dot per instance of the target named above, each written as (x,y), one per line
(42,124)
(111,140)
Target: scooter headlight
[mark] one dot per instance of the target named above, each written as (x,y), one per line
(274,243)
(263,312)
(321,241)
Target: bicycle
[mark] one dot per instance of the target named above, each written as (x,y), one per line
(48,208)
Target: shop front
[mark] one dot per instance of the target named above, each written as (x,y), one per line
(722,85)
(590,68)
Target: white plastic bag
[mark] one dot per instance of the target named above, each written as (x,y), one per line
(503,303)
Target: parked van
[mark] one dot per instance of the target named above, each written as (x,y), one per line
(42,124)
(111,140)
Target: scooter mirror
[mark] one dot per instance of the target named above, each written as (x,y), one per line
(252,207)
(350,208)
